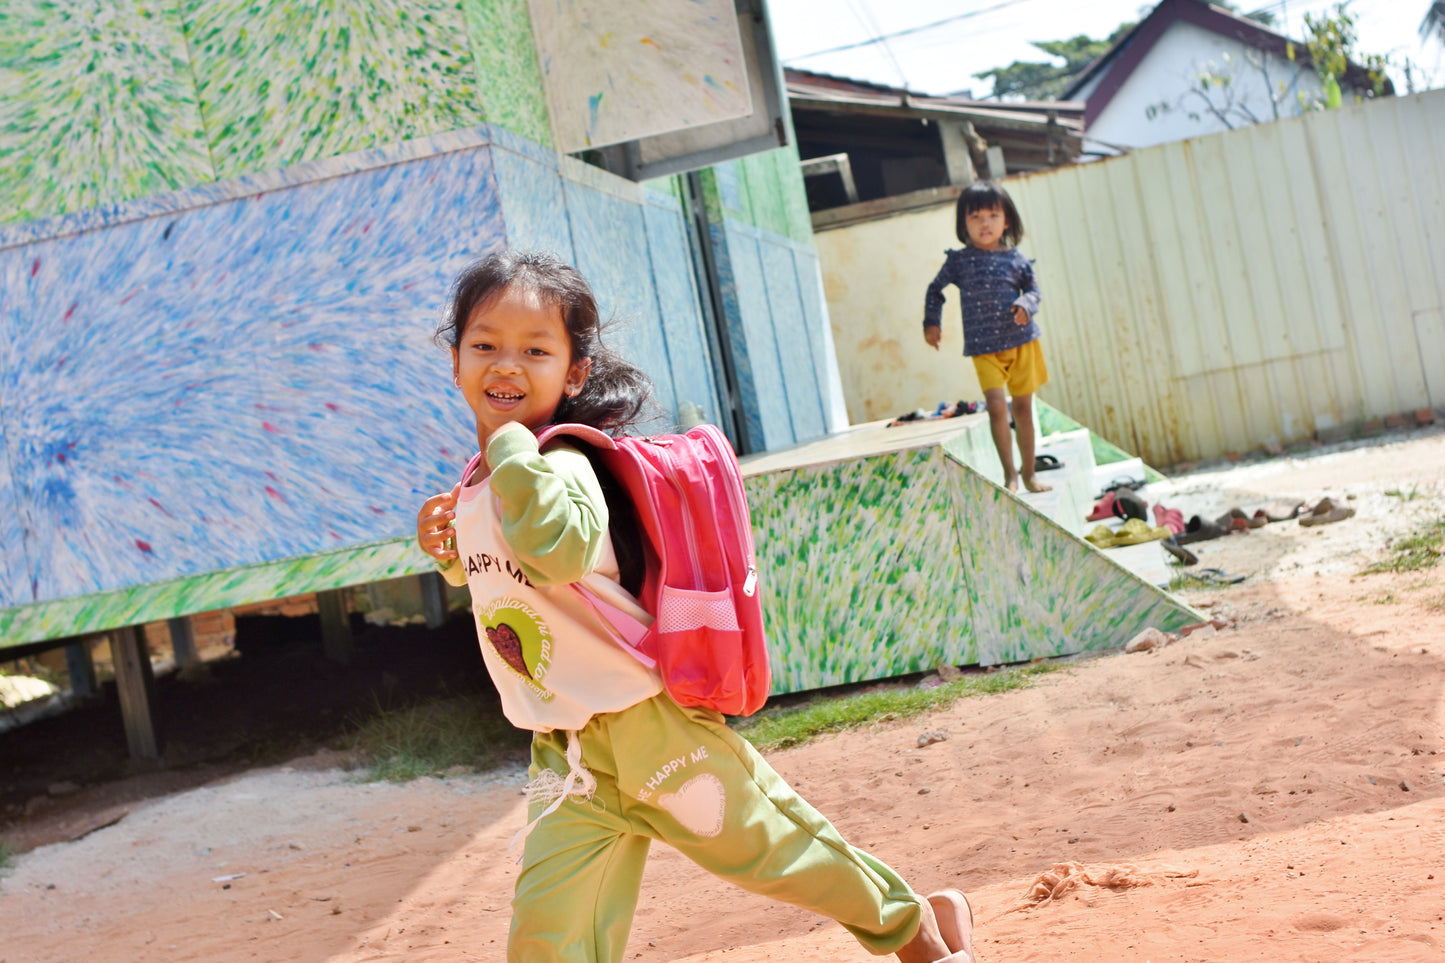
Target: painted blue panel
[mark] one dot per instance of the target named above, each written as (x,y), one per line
(611,251)
(682,320)
(202,195)
(815,314)
(240,382)
(794,338)
(729,187)
(737,337)
(759,338)
(14,573)
(534,205)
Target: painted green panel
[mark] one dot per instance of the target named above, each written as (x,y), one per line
(770,194)
(285,81)
(505,59)
(98,106)
(797,218)
(1036,590)
(860,567)
(357,565)
(759,174)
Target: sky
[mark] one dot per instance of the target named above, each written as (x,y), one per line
(994,33)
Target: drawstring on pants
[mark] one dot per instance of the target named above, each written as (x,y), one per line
(548,787)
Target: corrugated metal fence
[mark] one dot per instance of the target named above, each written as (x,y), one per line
(1218,294)
(1202,297)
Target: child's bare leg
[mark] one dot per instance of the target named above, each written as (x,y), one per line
(927,945)
(998,418)
(1023,410)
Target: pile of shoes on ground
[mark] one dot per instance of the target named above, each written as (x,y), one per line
(1122,500)
(945,409)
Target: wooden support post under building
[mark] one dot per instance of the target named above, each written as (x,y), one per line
(433,599)
(135,683)
(80,666)
(996,166)
(183,641)
(336,638)
(956,154)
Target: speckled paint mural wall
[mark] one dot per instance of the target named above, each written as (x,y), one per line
(111,100)
(900,561)
(226,234)
(244,372)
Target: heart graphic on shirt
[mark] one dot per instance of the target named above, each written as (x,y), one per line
(518,636)
(699,805)
(509,647)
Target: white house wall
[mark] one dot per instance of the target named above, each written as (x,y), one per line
(1172,67)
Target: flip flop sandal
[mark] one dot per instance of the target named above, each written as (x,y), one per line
(1170,518)
(1232,525)
(1136,531)
(1185,556)
(1047,463)
(1215,576)
(916,415)
(1123,481)
(955,924)
(1230,519)
(1103,508)
(1199,530)
(1333,515)
(1283,511)
(1129,504)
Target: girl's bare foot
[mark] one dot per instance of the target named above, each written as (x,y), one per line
(1032,483)
(927,945)
(1011,482)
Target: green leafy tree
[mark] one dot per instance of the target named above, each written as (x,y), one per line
(1433,24)
(1045,80)
(1331,38)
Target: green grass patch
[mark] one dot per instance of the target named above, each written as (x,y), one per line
(467,734)
(1419,551)
(432,738)
(785,726)
(7,857)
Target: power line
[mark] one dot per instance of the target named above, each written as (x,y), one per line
(870,27)
(883,38)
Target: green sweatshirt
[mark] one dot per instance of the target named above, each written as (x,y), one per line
(554,515)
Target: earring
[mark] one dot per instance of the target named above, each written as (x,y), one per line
(457,382)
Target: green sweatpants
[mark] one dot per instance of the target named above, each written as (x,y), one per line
(682,776)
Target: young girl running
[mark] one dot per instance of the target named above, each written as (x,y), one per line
(615,762)
(998,298)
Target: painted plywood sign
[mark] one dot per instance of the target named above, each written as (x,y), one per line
(617,72)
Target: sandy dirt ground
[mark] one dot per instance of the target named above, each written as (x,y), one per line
(1274,791)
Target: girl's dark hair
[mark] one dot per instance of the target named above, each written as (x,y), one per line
(984,196)
(617,392)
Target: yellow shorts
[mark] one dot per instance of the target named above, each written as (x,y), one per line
(1021,370)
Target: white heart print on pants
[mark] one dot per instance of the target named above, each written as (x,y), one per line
(699,805)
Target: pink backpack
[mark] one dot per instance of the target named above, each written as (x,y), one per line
(702,572)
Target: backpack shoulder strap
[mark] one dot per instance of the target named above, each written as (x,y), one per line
(593,436)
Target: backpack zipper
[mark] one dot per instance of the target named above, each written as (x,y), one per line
(740,508)
(687,524)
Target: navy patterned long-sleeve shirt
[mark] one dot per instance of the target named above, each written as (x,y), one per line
(990,284)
